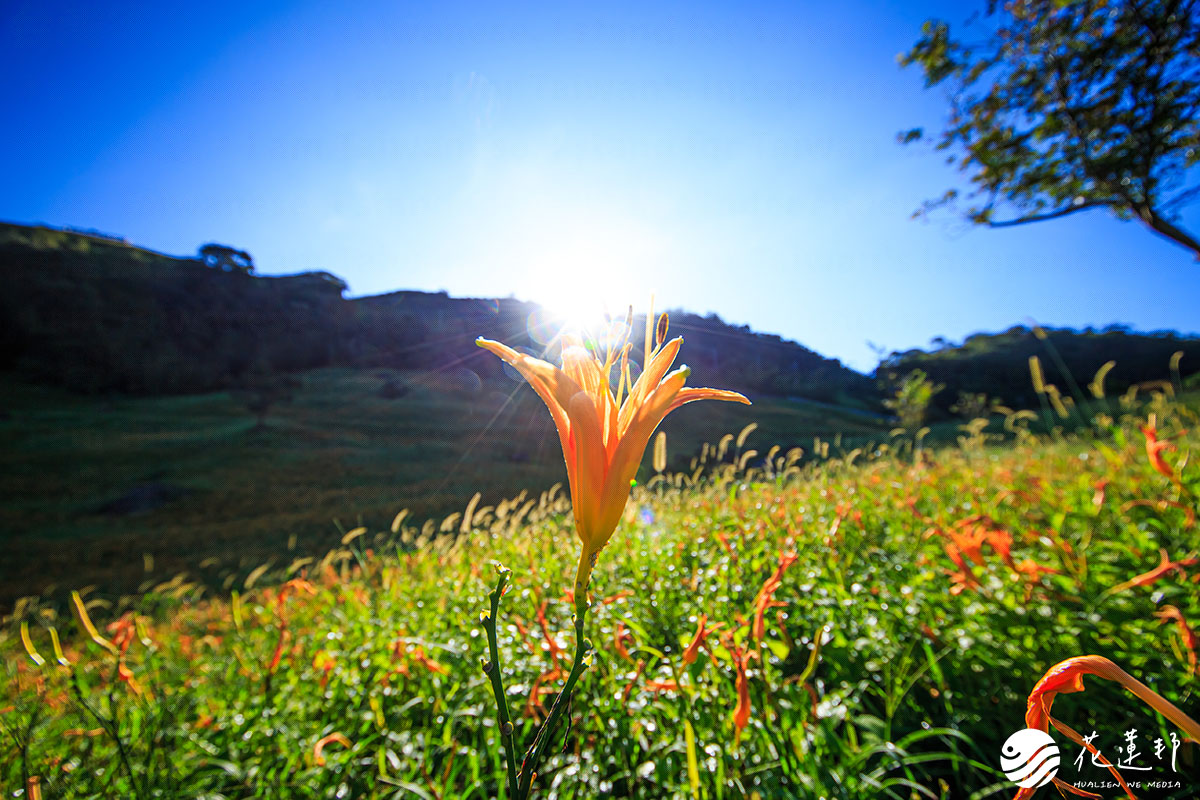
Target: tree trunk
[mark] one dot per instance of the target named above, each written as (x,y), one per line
(1165,228)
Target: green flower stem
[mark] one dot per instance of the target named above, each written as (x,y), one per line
(492,668)
(583,649)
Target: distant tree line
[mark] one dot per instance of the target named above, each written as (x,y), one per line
(997,365)
(97,316)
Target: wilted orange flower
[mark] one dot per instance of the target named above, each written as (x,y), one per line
(1032,572)
(1067,676)
(604,436)
(404,654)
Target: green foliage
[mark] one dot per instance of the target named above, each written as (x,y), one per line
(1070,106)
(345,448)
(997,364)
(889,670)
(971,405)
(911,398)
(227,259)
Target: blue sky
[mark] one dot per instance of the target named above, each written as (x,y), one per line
(731,158)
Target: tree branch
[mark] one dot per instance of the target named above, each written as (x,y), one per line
(1062,212)
(1168,230)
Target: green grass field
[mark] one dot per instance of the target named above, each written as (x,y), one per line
(888,669)
(338,456)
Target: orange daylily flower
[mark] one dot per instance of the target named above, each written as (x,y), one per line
(766,595)
(550,646)
(1155,448)
(273,664)
(741,714)
(1067,676)
(1165,567)
(533,706)
(1171,613)
(603,436)
(319,747)
(620,636)
(699,640)
(965,577)
(618,596)
(662,686)
(1163,505)
(325,662)
(1033,570)
(641,666)
(970,543)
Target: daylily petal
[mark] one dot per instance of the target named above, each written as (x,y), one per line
(554,386)
(579,365)
(692,394)
(649,380)
(632,446)
(590,471)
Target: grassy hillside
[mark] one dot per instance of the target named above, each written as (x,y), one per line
(926,598)
(88,487)
(98,315)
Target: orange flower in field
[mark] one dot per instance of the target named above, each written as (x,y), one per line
(273,664)
(123,631)
(1155,448)
(698,641)
(970,543)
(324,662)
(603,436)
(319,747)
(550,644)
(620,636)
(1033,570)
(662,686)
(766,594)
(1171,613)
(1067,676)
(1165,567)
(965,577)
(741,714)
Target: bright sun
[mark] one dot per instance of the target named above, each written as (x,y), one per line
(578,279)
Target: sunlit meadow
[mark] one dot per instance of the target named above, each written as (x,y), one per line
(768,624)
